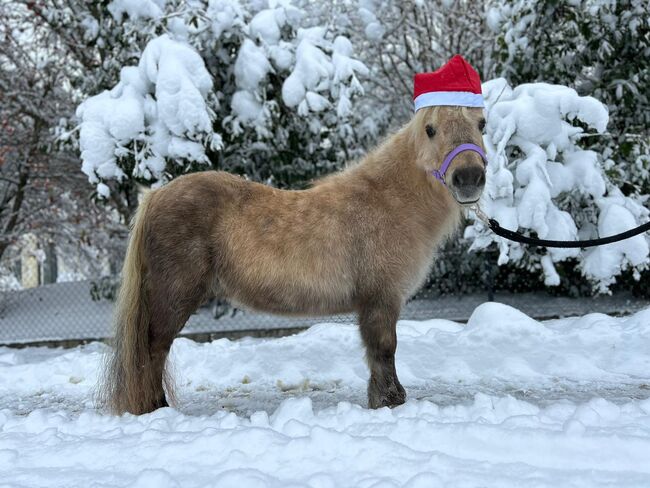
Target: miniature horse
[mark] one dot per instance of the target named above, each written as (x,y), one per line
(361,240)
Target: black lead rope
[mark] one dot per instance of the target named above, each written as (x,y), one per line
(531,241)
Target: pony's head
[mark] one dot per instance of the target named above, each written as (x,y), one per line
(437,132)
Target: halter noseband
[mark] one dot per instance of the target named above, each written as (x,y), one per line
(439,174)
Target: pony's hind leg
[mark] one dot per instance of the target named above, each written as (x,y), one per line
(378,321)
(170,310)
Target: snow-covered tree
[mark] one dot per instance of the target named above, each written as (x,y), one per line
(542,181)
(253,89)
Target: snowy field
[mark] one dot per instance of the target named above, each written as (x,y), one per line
(502,401)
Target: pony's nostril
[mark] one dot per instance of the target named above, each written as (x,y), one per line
(457,179)
(481,179)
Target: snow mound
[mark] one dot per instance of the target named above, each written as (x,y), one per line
(495,321)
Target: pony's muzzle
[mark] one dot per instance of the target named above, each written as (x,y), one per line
(468,177)
(467,183)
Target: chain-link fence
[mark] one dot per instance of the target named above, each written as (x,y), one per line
(43,308)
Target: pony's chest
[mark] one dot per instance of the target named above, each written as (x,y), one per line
(418,269)
(421,254)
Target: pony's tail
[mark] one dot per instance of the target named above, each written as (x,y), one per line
(128,374)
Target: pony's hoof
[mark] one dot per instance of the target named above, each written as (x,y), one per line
(393,397)
(160,403)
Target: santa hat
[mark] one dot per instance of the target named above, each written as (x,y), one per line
(456,83)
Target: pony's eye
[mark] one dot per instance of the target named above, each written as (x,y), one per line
(430,131)
(481,124)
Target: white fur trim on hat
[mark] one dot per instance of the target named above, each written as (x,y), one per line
(462,99)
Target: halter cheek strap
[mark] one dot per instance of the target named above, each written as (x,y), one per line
(439,174)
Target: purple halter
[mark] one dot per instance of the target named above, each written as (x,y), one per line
(439,174)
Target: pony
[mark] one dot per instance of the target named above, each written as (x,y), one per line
(358,241)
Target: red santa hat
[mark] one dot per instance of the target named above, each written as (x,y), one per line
(456,83)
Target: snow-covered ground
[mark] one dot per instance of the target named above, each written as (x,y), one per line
(502,401)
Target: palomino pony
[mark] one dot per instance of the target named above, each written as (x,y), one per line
(361,240)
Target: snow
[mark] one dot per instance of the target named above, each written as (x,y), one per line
(374,31)
(493,19)
(224,14)
(152,107)
(537,164)
(251,66)
(181,84)
(90,28)
(103,190)
(246,106)
(604,262)
(293,90)
(316,102)
(315,72)
(8,282)
(503,401)
(311,70)
(136,8)
(266,25)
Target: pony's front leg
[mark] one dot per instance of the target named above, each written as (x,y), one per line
(378,323)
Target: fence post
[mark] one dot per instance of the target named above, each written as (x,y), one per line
(50,268)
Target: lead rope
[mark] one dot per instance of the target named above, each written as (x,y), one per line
(531,241)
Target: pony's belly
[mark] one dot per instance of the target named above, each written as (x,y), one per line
(289,290)
(289,300)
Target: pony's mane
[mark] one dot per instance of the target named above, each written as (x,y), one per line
(394,149)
